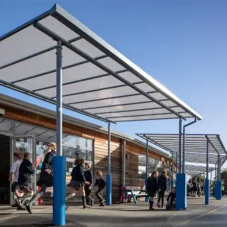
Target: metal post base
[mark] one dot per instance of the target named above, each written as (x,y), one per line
(207,191)
(181,196)
(59,191)
(108,190)
(218,190)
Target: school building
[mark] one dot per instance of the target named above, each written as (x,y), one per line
(28,127)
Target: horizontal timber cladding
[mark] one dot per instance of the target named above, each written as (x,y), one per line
(100,148)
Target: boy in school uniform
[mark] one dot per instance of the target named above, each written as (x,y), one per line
(171,200)
(100,182)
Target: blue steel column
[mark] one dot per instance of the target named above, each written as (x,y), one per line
(218,183)
(146,174)
(59,160)
(108,177)
(181,181)
(184,190)
(180,145)
(207,182)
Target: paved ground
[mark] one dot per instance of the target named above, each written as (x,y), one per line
(124,215)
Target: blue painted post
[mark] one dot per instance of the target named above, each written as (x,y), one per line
(59,191)
(109,177)
(181,202)
(207,191)
(59,160)
(218,190)
(219,183)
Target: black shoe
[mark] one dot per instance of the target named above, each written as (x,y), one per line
(158,205)
(28,208)
(66,207)
(84,202)
(151,205)
(14,205)
(19,205)
(101,205)
(21,208)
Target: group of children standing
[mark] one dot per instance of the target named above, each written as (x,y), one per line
(159,184)
(82,180)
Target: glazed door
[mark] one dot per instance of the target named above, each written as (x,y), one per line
(24,143)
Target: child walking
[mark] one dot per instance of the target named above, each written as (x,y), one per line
(100,182)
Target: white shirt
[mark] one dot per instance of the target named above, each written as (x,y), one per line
(15,170)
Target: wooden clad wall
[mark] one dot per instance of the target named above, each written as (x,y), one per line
(100,148)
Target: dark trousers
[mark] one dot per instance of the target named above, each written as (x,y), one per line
(87,189)
(161,194)
(99,195)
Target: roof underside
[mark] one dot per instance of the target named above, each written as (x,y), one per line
(97,80)
(195,146)
(194,170)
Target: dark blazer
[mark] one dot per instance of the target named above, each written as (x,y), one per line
(48,163)
(78,173)
(101,183)
(25,172)
(88,176)
(152,185)
(162,182)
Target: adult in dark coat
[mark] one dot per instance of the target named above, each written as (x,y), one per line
(152,187)
(78,181)
(162,186)
(46,177)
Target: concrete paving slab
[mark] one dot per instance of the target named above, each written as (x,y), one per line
(123,215)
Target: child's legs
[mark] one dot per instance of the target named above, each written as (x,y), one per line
(72,193)
(88,193)
(99,194)
(162,196)
(82,191)
(38,195)
(159,196)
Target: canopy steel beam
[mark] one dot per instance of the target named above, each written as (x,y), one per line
(53,35)
(46,99)
(125,111)
(95,90)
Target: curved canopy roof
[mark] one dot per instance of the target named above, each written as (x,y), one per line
(98,81)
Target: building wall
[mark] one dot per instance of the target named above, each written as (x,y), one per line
(100,148)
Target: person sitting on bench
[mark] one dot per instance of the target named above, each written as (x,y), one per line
(171,200)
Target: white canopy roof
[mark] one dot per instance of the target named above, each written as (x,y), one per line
(97,80)
(195,146)
(194,170)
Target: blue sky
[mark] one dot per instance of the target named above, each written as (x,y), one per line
(182,44)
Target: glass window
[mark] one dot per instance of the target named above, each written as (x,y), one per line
(152,165)
(77,147)
(73,147)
